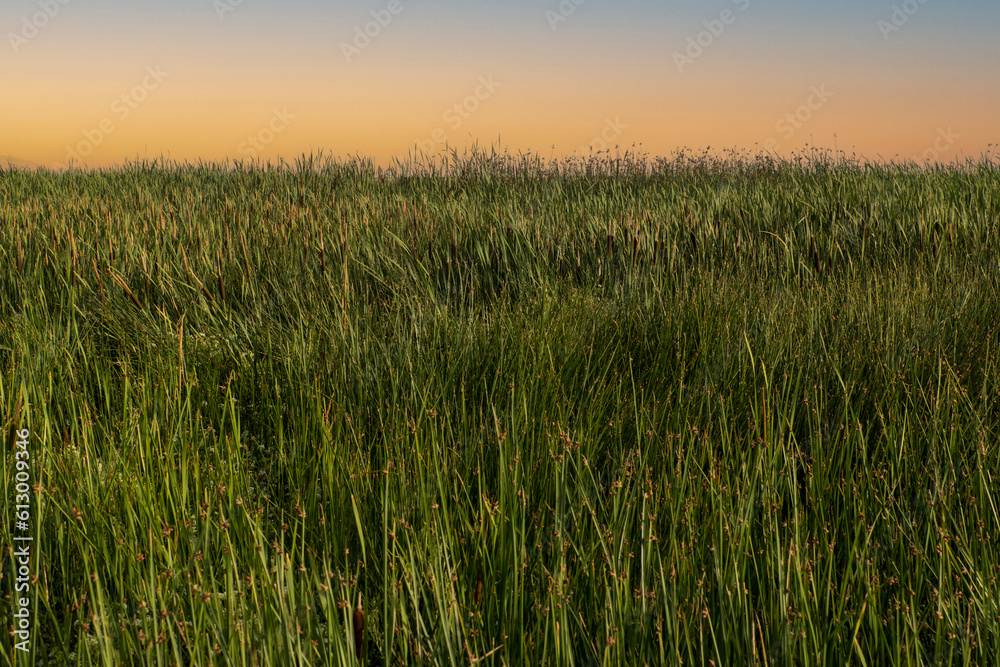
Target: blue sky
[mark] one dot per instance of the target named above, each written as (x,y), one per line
(565,71)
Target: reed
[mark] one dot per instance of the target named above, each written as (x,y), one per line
(701,409)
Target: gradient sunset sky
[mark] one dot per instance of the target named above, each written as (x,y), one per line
(104,81)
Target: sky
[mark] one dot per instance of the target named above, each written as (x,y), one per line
(96,83)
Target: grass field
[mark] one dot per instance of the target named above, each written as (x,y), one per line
(710,411)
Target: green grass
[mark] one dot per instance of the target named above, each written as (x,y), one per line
(718,411)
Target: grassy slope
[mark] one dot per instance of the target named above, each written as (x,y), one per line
(727,412)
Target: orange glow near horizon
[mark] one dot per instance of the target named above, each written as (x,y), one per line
(216,95)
